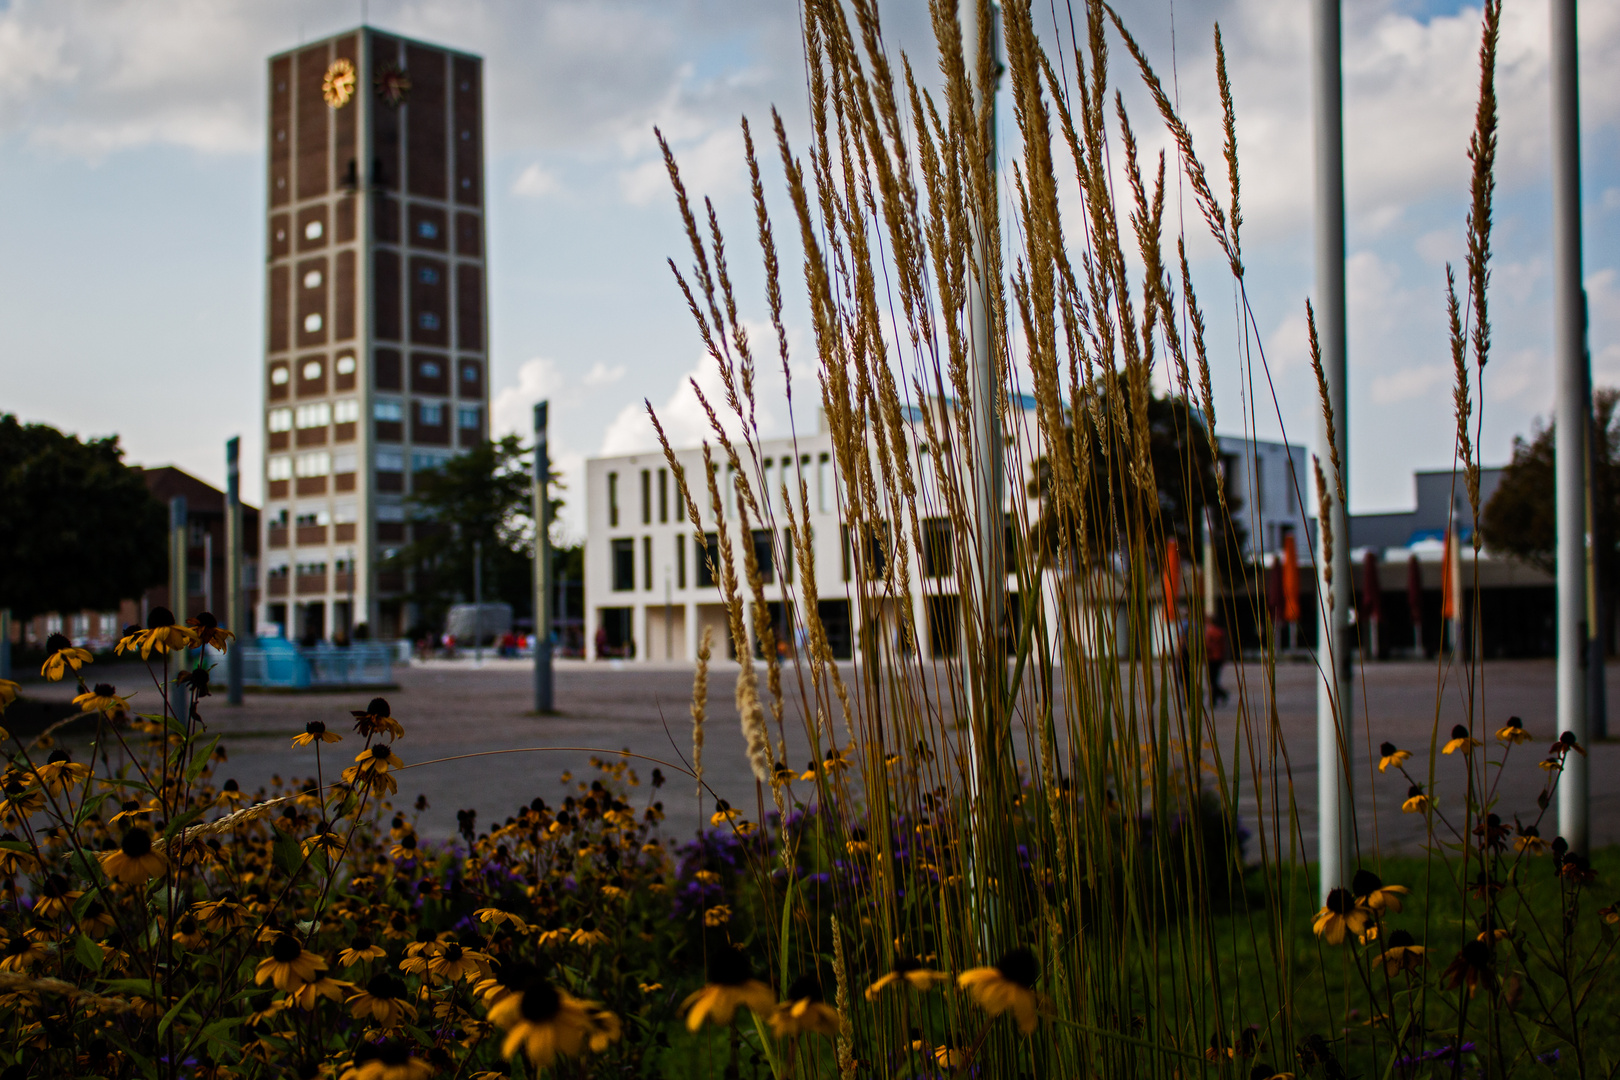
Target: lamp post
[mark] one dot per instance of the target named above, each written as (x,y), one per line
(234,615)
(543,699)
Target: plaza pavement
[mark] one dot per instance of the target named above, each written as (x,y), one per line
(452,709)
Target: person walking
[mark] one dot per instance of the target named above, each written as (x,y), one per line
(1215,656)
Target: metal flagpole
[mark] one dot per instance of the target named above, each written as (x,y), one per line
(543,701)
(1573,415)
(1336,821)
(234,615)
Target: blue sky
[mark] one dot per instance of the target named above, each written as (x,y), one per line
(131,190)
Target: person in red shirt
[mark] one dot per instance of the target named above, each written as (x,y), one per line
(1215,656)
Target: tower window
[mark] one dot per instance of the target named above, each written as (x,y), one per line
(312,370)
(279,376)
(427,230)
(429,369)
(313,231)
(346,411)
(312,324)
(467,419)
(388,411)
(427,275)
(432,415)
(427,320)
(345,365)
(281,419)
(312,280)
(469,374)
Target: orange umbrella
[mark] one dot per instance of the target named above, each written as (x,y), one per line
(1171,580)
(1290,582)
(1448,581)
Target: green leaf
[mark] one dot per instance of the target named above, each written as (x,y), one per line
(182,820)
(92,805)
(288,856)
(174,1011)
(216,1032)
(200,762)
(88,952)
(16,845)
(131,987)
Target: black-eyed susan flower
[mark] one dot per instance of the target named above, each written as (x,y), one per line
(8,693)
(187,933)
(718,915)
(1340,916)
(230,794)
(315,731)
(224,912)
(804,1010)
(1610,914)
(387,1061)
(322,986)
(781,773)
(1566,742)
(1529,841)
(1460,740)
(56,897)
(588,935)
(205,629)
(950,1056)
(289,964)
(1416,801)
(543,1021)
(452,962)
(1402,953)
(1371,892)
(1008,986)
(731,984)
(650,988)
(1388,755)
(62,656)
(160,636)
(405,850)
(15,857)
(1470,968)
(103,698)
(857,844)
(384,1001)
(23,951)
(20,802)
(360,949)
(907,970)
(554,933)
(60,772)
(130,811)
(723,812)
(1512,732)
(376,719)
(326,840)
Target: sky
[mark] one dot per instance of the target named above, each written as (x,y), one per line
(132,193)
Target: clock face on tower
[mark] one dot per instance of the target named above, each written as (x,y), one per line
(338,86)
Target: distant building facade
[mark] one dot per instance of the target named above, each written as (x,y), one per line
(376,338)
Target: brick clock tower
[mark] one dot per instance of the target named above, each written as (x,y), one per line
(376,331)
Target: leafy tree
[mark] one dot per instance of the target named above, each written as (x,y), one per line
(1186,475)
(483,496)
(1521,518)
(79,528)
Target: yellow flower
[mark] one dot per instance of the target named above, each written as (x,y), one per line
(718,915)
(8,693)
(374,719)
(20,803)
(60,772)
(307,995)
(1388,756)
(1009,986)
(390,1061)
(18,860)
(1339,917)
(327,840)
(1460,740)
(361,948)
(187,933)
(23,951)
(544,1021)
(289,966)
(225,913)
(207,631)
(588,935)
(451,962)
(315,731)
(1512,732)
(1416,802)
(1371,892)
(161,635)
(61,655)
(134,862)
(723,812)
(384,1001)
(731,984)
(103,699)
(132,811)
(1529,841)
(804,1010)
(650,988)
(909,970)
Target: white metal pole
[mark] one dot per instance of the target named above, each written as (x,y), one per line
(234,619)
(1335,815)
(542,564)
(1574,409)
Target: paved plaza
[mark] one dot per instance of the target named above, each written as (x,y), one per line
(456,710)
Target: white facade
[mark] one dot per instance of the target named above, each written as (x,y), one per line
(1272,493)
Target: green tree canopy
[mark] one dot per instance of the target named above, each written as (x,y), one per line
(78,528)
(484,496)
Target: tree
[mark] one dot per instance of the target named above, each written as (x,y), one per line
(78,528)
(483,497)
(1186,476)
(1521,518)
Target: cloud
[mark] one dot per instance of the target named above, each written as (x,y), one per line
(603,375)
(536,182)
(512,407)
(1408,383)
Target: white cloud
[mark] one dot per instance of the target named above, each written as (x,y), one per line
(1611,198)
(1409,383)
(512,407)
(603,375)
(536,182)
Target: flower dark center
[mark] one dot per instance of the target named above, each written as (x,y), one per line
(452,952)
(1366,882)
(1401,939)
(378,707)
(587,924)
(58,757)
(105,689)
(385,987)
(315,727)
(206,620)
(57,642)
(805,988)
(361,943)
(17,946)
(1414,791)
(188,925)
(1386,749)
(907,963)
(55,886)
(1021,967)
(232,785)
(379,752)
(158,618)
(1340,902)
(728,967)
(286,949)
(1459,732)
(540,1002)
(409,843)
(137,842)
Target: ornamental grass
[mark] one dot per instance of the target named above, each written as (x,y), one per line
(1024,861)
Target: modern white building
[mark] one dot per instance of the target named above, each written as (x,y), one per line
(649,591)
